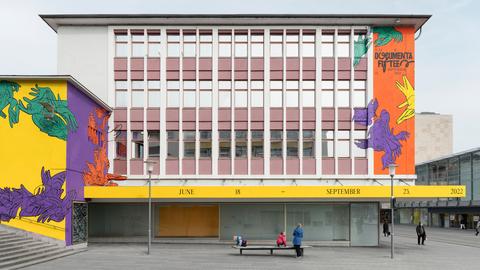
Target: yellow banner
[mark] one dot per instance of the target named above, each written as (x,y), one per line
(267,192)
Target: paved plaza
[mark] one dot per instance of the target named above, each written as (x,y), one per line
(444,249)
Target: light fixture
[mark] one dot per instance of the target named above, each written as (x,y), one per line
(397,21)
(391,169)
(150,167)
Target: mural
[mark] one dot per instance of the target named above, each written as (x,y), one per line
(407,90)
(45,203)
(360,48)
(96,173)
(49,113)
(386,34)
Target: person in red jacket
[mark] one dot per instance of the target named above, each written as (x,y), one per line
(282,239)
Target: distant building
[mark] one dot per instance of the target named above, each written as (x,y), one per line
(434,136)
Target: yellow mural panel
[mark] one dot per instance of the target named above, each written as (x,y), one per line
(25,150)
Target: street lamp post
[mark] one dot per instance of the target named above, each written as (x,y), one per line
(391,170)
(150,170)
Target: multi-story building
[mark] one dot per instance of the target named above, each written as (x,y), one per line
(434,136)
(249,124)
(457,169)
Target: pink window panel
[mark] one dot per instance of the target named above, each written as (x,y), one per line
(224,75)
(309,125)
(153,75)
(153,125)
(172,126)
(136,64)
(293,63)
(276,114)
(188,125)
(224,166)
(293,125)
(293,114)
(224,114)
(136,114)
(224,125)
(225,64)
(120,125)
(153,115)
(276,75)
(328,125)
(241,114)
(241,166)
(120,75)
(136,167)
(344,166)
(189,75)
(240,64)
(308,75)
(153,64)
(293,166)
(256,125)
(256,64)
(328,166)
(136,125)
(205,125)
(359,127)
(173,64)
(119,64)
(328,75)
(276,166)
(344,63)
(189,63)
(136,75)
(205,64)
(328,114)
(172,114)
(344,75)
(241,75)
(205,114)
(328,64)
(360,75)
(120,115)
(361,166)
(171,166)
(204,166)
(362,65)
(293,75)
(276,125)
(241,125)
(256,166)
(309,166)
(119,166)
(256,75)
(344,114)
(276,64)
(309,64)
(205,75)
(256,114)
(308,114)
(188,166)
(188,115)
(173,75)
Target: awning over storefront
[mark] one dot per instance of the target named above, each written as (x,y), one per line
(273,192)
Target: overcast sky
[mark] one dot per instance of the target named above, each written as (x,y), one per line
(447,52)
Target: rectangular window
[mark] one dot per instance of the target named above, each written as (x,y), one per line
(276,99)
(327,143)
(308,46)
(189,45)
(189,99)
(327,94)
(189,144)
(359,135)
(256,85)
(292,143)
(121,144)
(343,45)
(292,98)
(172,144)
(256,98)
(241,143)
(205,144)
(257,143)
(205,45)
(173,98)
(276,143)
(327,45)
(205,99)
(343,143)
(173,45)
(276,45)
(121,45)
(241,46)
(257,45)
(153,143)
(225,143)
(189,85)
(154,44)
(292,45)
(308,99)
(224,99)
(121,94)
(137,144)
(359,94)
(308,143)
(153,98)
(224,45)
(138,94)
(241,99)
(138,45)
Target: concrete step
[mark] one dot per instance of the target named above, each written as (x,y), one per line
(10,238)
(35,258)
(25,248)
(36,251)
(2,233)
(26,245)
(68,252)
(16,242)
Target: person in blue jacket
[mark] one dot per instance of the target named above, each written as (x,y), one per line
(297,239)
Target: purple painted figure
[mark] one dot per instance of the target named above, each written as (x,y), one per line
(380,137)
(45,204)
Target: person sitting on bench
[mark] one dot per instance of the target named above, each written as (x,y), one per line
(282,240)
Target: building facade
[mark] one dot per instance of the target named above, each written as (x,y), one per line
(456,169)
(251,123)
(434,136)
(53,143)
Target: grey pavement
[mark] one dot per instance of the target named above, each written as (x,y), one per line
(444,249)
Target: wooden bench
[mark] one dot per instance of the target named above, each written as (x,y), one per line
(271,248)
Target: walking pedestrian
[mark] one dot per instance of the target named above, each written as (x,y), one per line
(386,231)
(421,234)
(297,239)
(477,228)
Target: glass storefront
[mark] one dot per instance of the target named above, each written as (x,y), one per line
(364,224)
